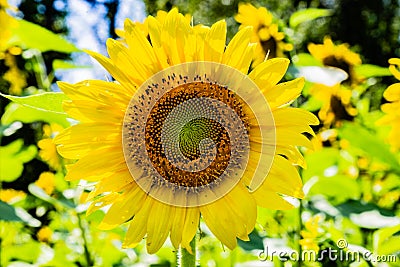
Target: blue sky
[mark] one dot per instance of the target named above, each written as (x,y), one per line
(89,30)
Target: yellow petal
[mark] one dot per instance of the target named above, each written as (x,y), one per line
(392,93)
(271,200)
(158,226)
(294,116)
(101,202)
(177,226)
(112,183)
(284,93)
(124,207)
(237,48)
(155,37)
(269,73)
(109,65)
(88,133)
(121,57)
(140,49)
(95,163)
(221,222)
(190,228)
(138,226)
(215,42)
(243,206)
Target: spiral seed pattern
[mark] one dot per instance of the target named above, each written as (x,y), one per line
(186,134)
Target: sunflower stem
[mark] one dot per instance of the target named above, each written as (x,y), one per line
(188,259)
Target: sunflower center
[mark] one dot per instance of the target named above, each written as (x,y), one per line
(196,134)
(270,46)
(186,140)
(187,133)
(333,61)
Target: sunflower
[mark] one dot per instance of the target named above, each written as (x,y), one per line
(392,109)
(336,104)
(270,41)
(338,56)
(185,133)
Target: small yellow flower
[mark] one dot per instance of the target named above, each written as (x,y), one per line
(270,41)
(48,151)
(14,75)
(44,234)
(46,182)
(310,234)
(11,195)
(392,109)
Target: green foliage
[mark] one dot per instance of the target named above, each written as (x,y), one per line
(49,101)
(29,35)
(16,112)
(255,242)
(306,15)
(12,158)
(361,138)
(369,70)
(62,64)
(7,213)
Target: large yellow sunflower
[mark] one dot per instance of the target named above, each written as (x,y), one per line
(392,109)
(185,133)
(265,32)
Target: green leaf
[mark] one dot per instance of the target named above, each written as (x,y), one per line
(255,242)
(361,138)
(62,64)
(304,59)
(17,112)
(356,206)
(387,240)
(306,15)
(18,254)
(338,188)
(12,158)
(29,35)
(312,104)
(7,213)
(368,70)
(40,193)
(319,161)
(49,101)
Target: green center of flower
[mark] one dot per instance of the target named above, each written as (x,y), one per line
(185,137)
(196,134)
